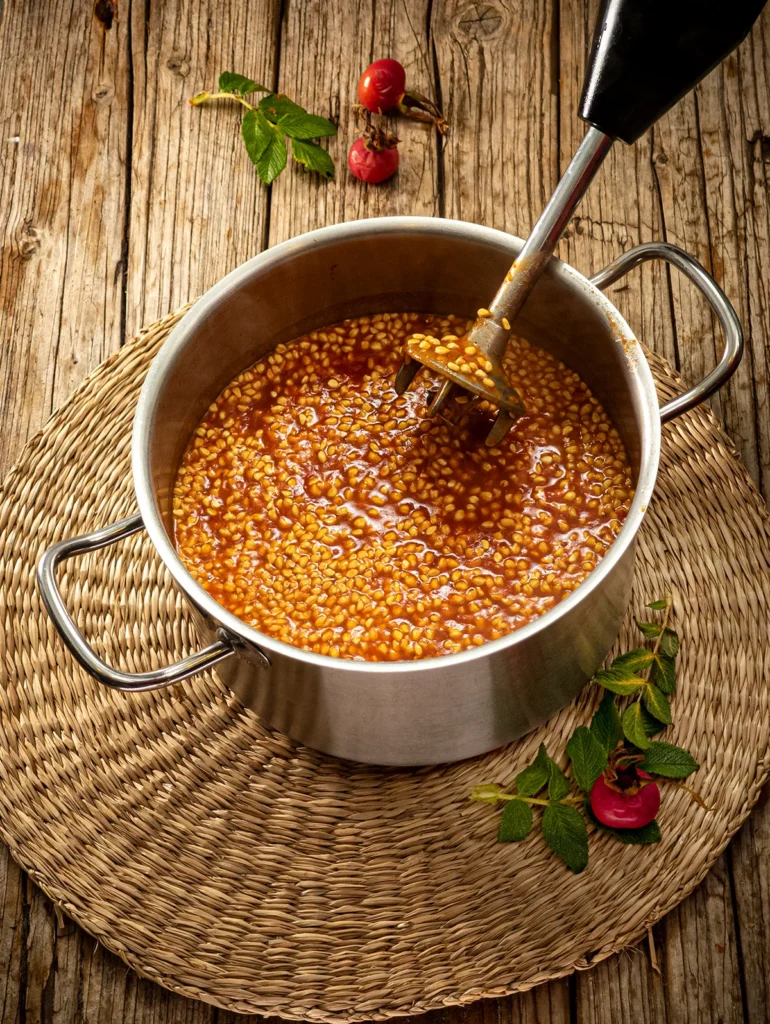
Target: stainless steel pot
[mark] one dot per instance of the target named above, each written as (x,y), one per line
(416,712)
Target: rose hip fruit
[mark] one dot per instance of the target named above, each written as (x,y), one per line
(625,802)
(382,86)
(372,163)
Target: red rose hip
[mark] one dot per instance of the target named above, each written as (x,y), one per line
(373,159)
(382,86)
(628,801)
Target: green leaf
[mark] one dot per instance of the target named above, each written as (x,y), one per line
(643,836)
(618,680)
(650,629)
(657,703)
(239,84)
(273,158)
(669,642)
(542,771)
(668,760)
(650,725)
(663,672)
(306,126)
(516,822)
(669,638)
(531,780)
(558,784)
(605,725)
(257,134)
(276,106)
(487,794)
(313,157)
(658,605)
(588,756)
(634,661)
(564,830)
(265,144)
(633,727)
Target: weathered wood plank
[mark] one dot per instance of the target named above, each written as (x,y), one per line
(620,987)
(500,89)
(700,956)
(68,995)
(63,145)
(742,139)
(12,939)
(325,48)
(197,206)
(747,110)
(547,1004)
(41,954)
(749,859)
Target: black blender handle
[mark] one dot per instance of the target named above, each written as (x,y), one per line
(647,54)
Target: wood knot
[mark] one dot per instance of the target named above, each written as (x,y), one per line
(179,63)
(480,21)
(763,141)
(104,11)
(29,241)
(103,93)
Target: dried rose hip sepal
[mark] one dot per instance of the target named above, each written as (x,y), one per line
(382,87)
(625,797)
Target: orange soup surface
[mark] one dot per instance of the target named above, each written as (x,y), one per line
(327,512)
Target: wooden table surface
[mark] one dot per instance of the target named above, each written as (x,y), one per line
(119,202)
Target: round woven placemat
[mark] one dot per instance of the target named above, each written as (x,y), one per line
(229,864)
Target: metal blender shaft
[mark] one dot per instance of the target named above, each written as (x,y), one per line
(488,333)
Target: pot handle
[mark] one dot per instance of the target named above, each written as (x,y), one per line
(720,304)
(79,646)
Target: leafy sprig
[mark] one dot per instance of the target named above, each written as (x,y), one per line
(564,828)
(619,738)
(266,127)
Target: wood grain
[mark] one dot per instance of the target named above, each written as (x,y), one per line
(62,206)
(12,939)
(501,97)
(197,207)
(118,202)
(748,857)
(623,984)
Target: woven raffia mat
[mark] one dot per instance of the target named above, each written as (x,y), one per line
(227,863)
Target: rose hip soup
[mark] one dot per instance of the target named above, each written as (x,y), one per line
(328,513)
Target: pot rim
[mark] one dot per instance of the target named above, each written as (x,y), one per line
(173,349)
